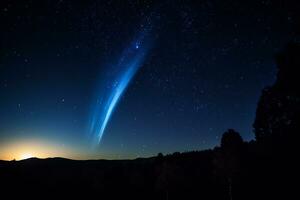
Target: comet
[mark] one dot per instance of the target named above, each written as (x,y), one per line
(114,85)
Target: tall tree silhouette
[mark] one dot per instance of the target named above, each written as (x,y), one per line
(228,158)
(278,112)
(231,140)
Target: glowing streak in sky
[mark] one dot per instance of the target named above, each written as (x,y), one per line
(122,73)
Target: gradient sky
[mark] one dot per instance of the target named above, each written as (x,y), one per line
(205,70)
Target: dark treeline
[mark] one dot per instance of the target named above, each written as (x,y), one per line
(264,168)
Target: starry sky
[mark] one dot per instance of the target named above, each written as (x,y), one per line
(176,74)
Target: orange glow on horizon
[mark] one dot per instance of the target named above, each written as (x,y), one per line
(41,149)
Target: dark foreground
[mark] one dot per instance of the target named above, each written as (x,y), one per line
(194,175)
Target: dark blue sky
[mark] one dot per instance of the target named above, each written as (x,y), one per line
(204,73)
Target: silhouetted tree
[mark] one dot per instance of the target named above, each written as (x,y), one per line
(159,158)
(278,112)
(231,140)
(160,155)
(228,157)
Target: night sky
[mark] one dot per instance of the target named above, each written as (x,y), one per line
(125,79)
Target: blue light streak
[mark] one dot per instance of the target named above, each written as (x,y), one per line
(108,97)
